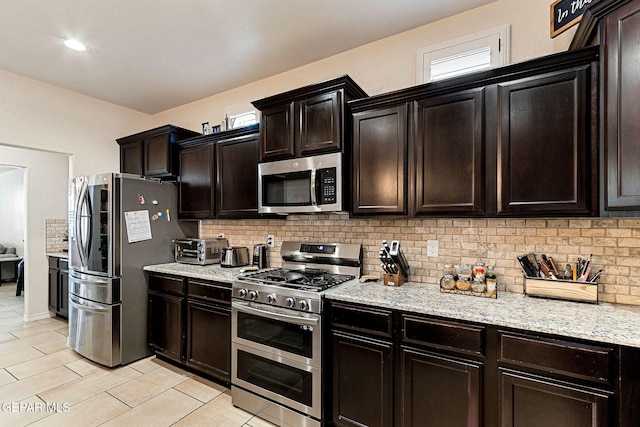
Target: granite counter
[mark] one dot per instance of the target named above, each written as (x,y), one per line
(608,323)
(205,272)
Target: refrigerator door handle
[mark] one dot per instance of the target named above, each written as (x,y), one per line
(94,307)
(81,245)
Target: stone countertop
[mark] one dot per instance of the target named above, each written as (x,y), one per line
(205,272)
(58,254)
(608,323)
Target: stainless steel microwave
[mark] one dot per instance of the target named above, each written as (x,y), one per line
(303,185)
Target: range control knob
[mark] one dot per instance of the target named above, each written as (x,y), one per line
(242,293)
(291,302)
(304,304)
(271,298)
(253,295)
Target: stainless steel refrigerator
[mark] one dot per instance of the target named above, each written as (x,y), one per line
(118,223)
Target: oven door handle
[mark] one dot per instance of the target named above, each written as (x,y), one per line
(298,320)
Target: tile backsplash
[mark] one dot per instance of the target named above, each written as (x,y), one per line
(614,243)
(56,233)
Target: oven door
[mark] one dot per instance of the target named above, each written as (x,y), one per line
(276,355)
(288,383)
(287,334)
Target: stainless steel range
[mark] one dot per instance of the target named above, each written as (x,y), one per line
(277,331)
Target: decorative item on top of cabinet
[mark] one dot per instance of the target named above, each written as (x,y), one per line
(305,121)
(152,153)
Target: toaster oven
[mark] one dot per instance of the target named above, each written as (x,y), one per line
(199,251)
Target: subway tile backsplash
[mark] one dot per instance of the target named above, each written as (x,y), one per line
(56,233)
(614,243)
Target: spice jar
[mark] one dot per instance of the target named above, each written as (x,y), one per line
(478,285)
(448,280)
(490,278)
(478,270)
(464,277)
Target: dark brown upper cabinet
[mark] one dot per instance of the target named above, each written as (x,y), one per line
(237,171)
(219,175)
(153,153)
(196,191)
(544,144)
(519,140)
(615,26)
(380,148)
(449,154)
(306,121)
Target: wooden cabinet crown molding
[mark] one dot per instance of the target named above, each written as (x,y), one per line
(590,19)
(177,133)
(351,89)
(219,136)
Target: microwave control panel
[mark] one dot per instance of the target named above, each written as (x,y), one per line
(328,186)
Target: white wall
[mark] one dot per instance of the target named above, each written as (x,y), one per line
(12,208)
(388,64)
(46,177)
(56,134)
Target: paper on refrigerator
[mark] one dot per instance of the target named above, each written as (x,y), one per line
(138,225)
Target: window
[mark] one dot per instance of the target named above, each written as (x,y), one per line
(476,52)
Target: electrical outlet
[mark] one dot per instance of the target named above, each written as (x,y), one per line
(220,235)
(271,241)
(432,248)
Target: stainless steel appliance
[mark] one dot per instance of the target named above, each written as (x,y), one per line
(118,223)
(235,256)
(302,185)
(259,256)
(199,251)
(276,331)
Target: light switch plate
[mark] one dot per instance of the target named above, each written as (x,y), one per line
(432,248)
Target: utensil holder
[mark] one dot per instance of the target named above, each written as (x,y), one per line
(561,289)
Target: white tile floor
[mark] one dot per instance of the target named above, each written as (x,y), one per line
(45,383)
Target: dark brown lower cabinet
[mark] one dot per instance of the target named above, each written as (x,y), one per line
(165,325)
(363,381)
(59,286)
(406,369)
(209,329)
(190,323)
(531,401)
(439,390)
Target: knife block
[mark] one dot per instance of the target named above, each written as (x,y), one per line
(394,279)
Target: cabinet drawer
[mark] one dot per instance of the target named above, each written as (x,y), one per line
(365,319)
(53,262)
(443,334)
(209,291)
(63,264)
(567,358)
(172,285)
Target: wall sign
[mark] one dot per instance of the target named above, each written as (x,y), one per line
(567,13)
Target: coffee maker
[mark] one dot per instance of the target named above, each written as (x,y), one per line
(260,256)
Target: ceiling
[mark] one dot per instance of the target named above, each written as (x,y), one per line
(152,55)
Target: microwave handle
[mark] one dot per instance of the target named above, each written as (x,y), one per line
(314,188)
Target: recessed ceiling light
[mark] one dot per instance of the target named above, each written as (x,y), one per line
(75,45)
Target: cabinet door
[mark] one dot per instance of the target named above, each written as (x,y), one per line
(53,289)
(131,158)
(449,154)
(544,144)
(166,325)
(362,381)
(528,401)
(237,183)
(621,125)
(440,391)
(197,187)
(319,124)
(277,132)
(380,161)
(63,293)
(209,339)
(158,156)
